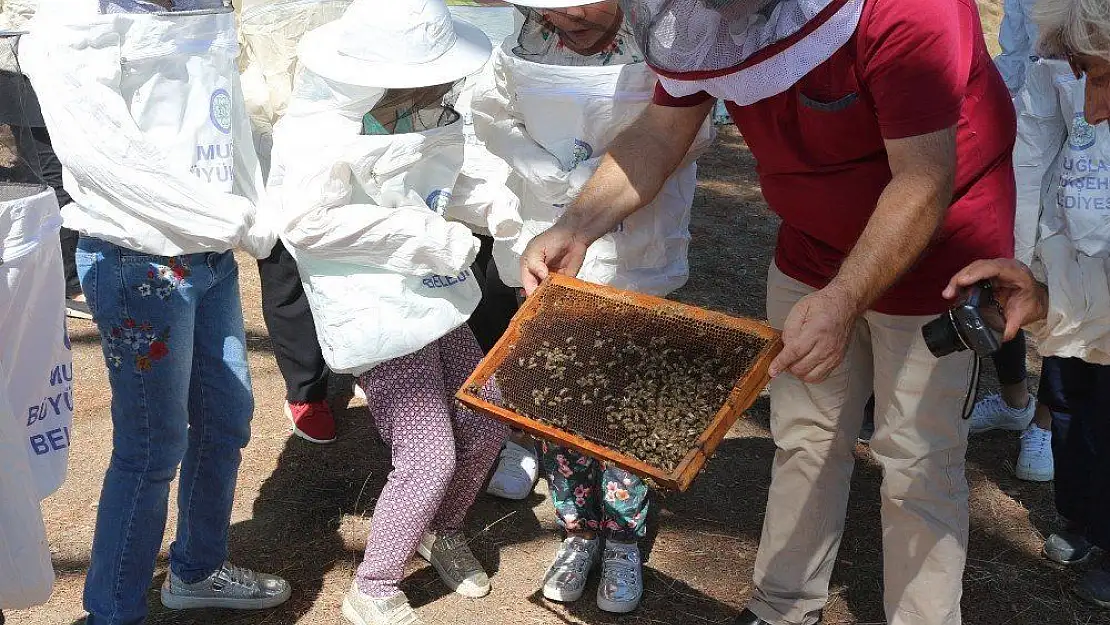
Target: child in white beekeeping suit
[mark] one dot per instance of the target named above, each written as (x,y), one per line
(569,81)
(142,101)
(364,163)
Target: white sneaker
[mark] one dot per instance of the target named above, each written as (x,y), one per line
(1034,463)
(566,577)
(993,413)
(622,578)
(455,563)
(517,472)
(362,609)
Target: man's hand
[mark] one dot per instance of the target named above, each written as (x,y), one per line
(1023,299)
(559,249)
(815,336)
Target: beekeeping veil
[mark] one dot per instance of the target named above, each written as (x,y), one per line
(739,50)
(574,33)
(36,368)
(269,31)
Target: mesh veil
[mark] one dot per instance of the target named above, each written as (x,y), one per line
(602,37)
(715,36)
(416,110)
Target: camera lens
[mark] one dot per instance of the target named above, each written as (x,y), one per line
(941,336)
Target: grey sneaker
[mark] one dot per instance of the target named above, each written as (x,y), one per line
(1067,548)
(455,563)
(566,578)
(229,587)
(622,578)
(1094,587)
(362,609)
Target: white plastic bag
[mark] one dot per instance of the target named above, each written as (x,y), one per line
(384,272)
(552,124)
(36,388)
(147,117)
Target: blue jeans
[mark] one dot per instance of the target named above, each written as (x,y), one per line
(173,340)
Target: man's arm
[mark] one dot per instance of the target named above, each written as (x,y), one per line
(632,172)
(909,212)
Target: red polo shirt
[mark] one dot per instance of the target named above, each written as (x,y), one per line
(913,67)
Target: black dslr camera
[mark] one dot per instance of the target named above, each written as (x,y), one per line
(976,323)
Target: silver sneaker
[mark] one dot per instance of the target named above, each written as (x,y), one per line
(362,609)
(230,587)
(566,578)
(455,563)
(622,578)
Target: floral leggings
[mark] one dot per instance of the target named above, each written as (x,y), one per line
(441,453)
(588,496)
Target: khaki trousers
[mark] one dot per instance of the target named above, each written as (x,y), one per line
(920,441)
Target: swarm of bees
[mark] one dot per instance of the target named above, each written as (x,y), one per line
(629,387)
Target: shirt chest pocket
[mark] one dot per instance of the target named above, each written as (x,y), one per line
(835,116)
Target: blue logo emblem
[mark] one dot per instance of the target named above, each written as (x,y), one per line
(1082,135)
(220,110)
(582,152)
(438,200)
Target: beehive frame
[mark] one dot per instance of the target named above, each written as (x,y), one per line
(740,398)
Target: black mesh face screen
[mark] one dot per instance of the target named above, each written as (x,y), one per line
(646,382)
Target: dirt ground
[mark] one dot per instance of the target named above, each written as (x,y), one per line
(303,511)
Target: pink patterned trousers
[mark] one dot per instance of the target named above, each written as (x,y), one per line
(441,453)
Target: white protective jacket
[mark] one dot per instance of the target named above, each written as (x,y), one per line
(383,257)
(552,123)
(1017,36)
(36,387)
(1062,165)
(146,115)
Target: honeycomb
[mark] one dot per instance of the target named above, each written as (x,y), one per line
(644,380)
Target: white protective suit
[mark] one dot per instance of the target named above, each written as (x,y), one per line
(36,389)
(552,123)
(146,115)
(270,31)
(1017,36)
(1062,166)
(383,258)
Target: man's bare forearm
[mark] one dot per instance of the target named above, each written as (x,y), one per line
(908,215)
(634,169)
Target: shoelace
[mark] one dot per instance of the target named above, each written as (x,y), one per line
(457,554)
(1039,442)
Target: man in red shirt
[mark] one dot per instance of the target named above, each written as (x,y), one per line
(883,137)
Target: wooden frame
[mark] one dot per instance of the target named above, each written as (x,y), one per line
(743,394)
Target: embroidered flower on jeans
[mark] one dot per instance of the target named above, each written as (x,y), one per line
(158,350)
(164,279)
(139,339)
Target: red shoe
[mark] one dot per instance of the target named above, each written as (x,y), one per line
(312,421)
